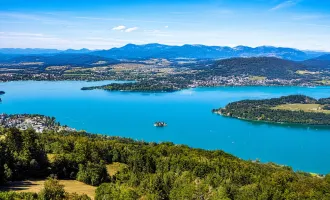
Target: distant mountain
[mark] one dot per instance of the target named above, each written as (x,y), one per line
(28,51)
(257,66)
(321,62)
(5,57)
(84,50)
(62,59)
(132,51)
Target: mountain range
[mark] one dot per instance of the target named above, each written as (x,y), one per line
(132,51)
(73,59)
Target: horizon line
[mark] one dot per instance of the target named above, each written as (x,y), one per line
(253,47)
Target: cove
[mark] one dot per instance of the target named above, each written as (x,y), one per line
(187,113)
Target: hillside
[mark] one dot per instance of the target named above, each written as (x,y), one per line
(149,170)
(257,66)
(27,51)
(73,59)
(321,62)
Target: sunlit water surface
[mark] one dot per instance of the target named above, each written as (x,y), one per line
(188,114)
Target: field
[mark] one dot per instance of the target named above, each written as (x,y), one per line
(257,78)
(324,82)
(304,72)
(36,186)
(303,107)
(70,186)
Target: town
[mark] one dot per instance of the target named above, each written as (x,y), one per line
(39,123)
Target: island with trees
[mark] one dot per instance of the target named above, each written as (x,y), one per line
(294,109)
(125,169)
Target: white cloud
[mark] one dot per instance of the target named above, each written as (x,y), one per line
(131,29)
(285,4)
(166,26)
(123,28)
(119,28)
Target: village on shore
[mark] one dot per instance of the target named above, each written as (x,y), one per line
(39,123)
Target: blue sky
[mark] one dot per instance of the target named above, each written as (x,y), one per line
(103,24)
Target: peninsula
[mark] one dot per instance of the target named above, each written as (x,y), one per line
(294,109)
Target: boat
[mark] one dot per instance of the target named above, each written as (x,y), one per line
(160,124)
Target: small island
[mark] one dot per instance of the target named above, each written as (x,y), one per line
(294,109)
(160,124)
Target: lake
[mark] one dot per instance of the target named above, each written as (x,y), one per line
(188,114)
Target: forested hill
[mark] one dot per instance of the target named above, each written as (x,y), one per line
(321,62)
(74,59)
(294,109)
(269,67)
(150,170)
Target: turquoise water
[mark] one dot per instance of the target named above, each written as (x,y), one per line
(188,114)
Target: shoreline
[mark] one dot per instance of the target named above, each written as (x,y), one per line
(71,129)
(275,123)
(161,91)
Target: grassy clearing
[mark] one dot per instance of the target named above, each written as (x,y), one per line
(324,82)
(76,74)
(257,78)
(36,186)
(115,167)
(303,107)
(304,72)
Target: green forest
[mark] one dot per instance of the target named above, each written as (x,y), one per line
(154,171)
(265,110)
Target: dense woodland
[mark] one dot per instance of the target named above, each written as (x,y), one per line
(263,110)
(168,84)
(258,66)
(154,171)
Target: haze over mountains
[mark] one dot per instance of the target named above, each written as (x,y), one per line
(132,51)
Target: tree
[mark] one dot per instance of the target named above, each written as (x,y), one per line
(110,191)
(52,190)
(92,173)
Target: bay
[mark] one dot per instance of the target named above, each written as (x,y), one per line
(187,113)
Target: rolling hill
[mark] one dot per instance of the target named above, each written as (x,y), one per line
(257,66)
(321,62)
(73,59)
